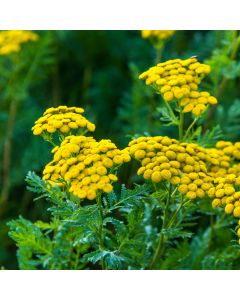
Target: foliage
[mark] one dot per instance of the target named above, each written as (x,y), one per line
(73,231)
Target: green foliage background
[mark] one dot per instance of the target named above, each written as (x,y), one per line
(98,70)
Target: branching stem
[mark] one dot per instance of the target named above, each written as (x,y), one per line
(159,51)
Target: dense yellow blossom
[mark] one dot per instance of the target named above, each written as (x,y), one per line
(196,171)
(178,80)
(62,119)
(182,164)
(11,40)
(157,34)
(85,165)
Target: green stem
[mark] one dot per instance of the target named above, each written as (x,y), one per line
(219,220)
(75,267)
(83,132)
(159,51)
(173,219)
(180,125)
(211,231)
(100,229)
(160,245)
(173,193)
(51,142)
(189,128)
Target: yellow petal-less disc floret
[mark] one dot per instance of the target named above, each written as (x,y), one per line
(229,208)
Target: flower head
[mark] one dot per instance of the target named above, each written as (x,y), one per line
(178,80)
(62,119)
(85,165)
(11,40)
(196,171)
(157,34)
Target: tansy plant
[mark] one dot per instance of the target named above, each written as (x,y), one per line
(94,222)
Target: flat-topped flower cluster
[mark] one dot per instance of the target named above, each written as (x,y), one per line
(178,81)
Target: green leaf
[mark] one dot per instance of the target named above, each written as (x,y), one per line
(111,259)
(166,117)
(210,137)
(176,233)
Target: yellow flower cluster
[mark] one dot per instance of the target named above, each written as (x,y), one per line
(181,164)
(157,34)
(62,119)
(85,165)
(194,169)
(11,40)
(226,174)
(178,80)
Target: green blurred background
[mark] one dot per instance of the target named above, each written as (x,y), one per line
(98,70)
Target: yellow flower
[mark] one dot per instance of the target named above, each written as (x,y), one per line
(229,208)
(140,154)
(107,188)
(168,96)
(166,174)
(11,40)
(157,34)
(191,195)
(183,188)
(236,212)
(156,176)
(37,131)
(91,194)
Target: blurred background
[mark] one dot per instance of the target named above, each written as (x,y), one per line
(96,70)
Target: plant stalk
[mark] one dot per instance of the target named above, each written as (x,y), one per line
(180,125)
(100,229)
(189,128)
(160,245)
